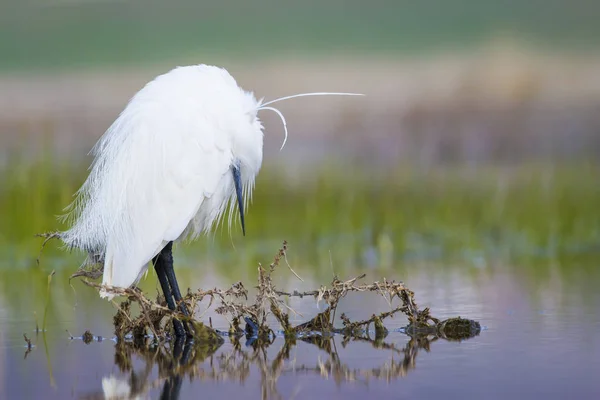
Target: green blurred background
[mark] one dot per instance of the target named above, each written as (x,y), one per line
(41,34)
(476,146)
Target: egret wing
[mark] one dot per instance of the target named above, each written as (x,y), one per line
(161,189)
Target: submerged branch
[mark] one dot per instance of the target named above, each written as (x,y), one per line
(154,316)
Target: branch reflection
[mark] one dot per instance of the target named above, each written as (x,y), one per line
(189,361)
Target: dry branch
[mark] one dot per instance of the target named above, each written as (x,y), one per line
(154,316)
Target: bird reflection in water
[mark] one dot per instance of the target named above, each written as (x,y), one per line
(194,361)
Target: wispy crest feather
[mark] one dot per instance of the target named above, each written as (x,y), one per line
(264,106)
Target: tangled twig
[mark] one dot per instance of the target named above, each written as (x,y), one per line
(47,237)
(154,316)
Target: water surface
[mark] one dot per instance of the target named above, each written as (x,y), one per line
(540,339)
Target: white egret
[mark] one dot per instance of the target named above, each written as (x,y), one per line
(187,144)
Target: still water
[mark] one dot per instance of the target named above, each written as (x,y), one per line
(540,338)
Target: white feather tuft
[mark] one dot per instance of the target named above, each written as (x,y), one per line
(282,120)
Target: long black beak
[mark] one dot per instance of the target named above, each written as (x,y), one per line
(235,169)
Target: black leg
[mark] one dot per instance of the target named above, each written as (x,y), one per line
(172,388)
(167,254)
(160,268)
(181,355)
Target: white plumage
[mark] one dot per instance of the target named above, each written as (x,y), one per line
(162,170)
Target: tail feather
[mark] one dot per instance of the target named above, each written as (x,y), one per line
(125,268)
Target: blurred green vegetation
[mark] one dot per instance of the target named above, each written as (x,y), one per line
(377,218)
(57,33)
